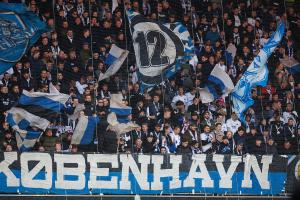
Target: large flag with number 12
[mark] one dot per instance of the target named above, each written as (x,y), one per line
(157,48)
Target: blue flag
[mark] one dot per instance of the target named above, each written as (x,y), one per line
(291,64)
(19,30)
(219,84)
(84,131)
(159,48)
(114,60)
(256,75)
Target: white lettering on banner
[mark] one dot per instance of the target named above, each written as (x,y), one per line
(44,160)
(141,176)
(157,161)
(198,161)
(95,172)
(225,181)
(75,177)
(11,179)
(261,175)
(62,171)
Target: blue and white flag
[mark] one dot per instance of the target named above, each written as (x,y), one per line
(256,75)
(33,115)
(114,60)
(118,117)
(182,32)
(85,128)
(119,127)
(230,54)
(219,84)
(118,107)
(44,105)
(291,64)
(19,30)
(158,49)
(24,123)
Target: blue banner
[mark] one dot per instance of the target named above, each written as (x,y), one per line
(19,30)
(256,75)
(70,174)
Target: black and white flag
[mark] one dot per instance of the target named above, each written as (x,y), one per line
(156,49)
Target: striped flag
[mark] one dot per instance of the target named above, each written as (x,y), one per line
(84,131)
(44,105)
(219,84)
(33,114)
(118,107)
(21,121)
(114,60)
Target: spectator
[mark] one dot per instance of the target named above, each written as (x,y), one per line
(259,148)
(207,140)
(195,148)
(138,148)
(48,140)
(227,145)
(179,97)
(184,147)
(270,147)
(240,136)
(233,123)
(149,144)
(7,139)
(239,149)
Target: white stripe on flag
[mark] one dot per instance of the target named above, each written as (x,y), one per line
(80,129)
(35,121)
(205,95)
(116,101)
(118,53)
(114,5)
(224,77)
(59,97)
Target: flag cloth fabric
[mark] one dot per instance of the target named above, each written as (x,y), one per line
(256,75)
(118,117)
(291,64)
(44,105)
(114,60)
(230,54)
(85,128)
(21,122)
(182,32)
(115,4)
(33,114)
(118,107)
(119,128)
(19,30)
(219,84)
(158,49)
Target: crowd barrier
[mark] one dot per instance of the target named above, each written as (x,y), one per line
(107,174)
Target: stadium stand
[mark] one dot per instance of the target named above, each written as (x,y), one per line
(171,116)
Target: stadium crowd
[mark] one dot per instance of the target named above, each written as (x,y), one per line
(171,116)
